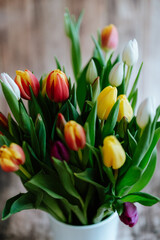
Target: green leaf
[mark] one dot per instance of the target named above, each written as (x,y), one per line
(73,114)
(142,145)
(73,97)
(99,51)
(146,175)
(24,119)
(132,142)
(11,100)
(82,88)
(34,107)
(89,175)
(111,120)
(41,134)
(18,203)
(142,198)
(45,182)
(66,179)
(72,31)
(134,100)
(34,139)
(132,92)
(14,129)
(58,64)
(128,180)
(91,121)
(148,154)
(4,141)
(28,161)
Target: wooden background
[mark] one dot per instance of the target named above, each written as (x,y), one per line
(31,34)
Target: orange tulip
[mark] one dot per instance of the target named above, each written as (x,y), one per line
(74,135)
(57,86)
(25,80)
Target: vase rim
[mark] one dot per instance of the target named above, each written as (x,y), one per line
(90,226)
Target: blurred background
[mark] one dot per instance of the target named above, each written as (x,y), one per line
(31,34)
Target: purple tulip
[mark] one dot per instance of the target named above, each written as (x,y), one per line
(129,215)
(59,151)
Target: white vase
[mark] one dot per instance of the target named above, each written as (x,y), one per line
(105,230)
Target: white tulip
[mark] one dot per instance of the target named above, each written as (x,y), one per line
(130,53)
(145,112)
(9,82)
(91,73)
(116,75)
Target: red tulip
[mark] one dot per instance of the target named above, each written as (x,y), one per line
(74,135)
(25,80)
(57,86)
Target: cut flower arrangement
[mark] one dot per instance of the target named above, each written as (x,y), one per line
(79,149)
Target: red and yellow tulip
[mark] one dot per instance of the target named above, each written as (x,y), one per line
(74,135)
(109,37)
(25,80)
(11,157)
(57,86)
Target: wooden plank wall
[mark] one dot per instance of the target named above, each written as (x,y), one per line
(31,34)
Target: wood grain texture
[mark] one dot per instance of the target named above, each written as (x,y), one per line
(31,34)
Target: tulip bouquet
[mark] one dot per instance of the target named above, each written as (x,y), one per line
(79,149)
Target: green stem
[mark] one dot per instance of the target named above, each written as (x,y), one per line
(108,54)
(102,124)
(25,172)
(80,154)
(128,75)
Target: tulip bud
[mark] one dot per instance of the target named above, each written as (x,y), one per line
(25,80)
(61,122)
(9,82)
(11,157)
(74,135)
(113,153)
(59,151)
(3,121)
(146,110)
(91,73)
(57,87)
(125,109)
(109,37)
(129,215)
(130,53)
(105,102)
(116,75)
(95,89)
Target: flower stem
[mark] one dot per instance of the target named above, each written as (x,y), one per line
(108,54)
(80,154)
(25,172)
(128,75)
(102,124)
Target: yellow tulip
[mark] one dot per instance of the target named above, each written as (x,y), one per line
(125,109)
(105,102)
(113,153)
